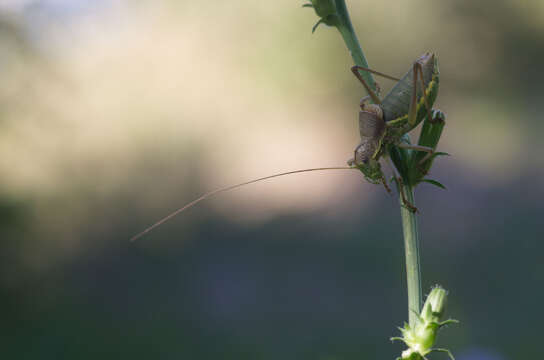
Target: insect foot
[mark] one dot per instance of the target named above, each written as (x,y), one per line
(421,336)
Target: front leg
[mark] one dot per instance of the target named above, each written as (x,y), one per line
(374,95)
(367,99)
(353,160)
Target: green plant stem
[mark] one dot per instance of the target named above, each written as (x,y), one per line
(350,38)
(411,249)
(409,220)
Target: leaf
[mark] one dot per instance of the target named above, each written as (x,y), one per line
(316,25)
(431,131)
(401,160)
(435,183)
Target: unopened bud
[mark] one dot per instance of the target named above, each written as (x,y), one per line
(421,336)
(436,301)
(324,8)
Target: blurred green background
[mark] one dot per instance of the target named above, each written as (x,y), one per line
(115,112)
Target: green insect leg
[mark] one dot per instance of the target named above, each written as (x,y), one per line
(372,94)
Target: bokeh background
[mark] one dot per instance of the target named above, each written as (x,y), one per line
(115,112)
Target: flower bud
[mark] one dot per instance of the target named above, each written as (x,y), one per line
(324,8)
(436,304)
(421,336)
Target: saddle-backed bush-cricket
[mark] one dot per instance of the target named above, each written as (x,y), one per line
(382,126)
(386,122)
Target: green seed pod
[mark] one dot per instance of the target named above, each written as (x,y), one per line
(436,303)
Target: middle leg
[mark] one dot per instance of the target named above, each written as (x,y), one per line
(426,149)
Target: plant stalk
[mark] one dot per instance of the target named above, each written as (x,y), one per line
(350,38)
(409,220)
(411,249)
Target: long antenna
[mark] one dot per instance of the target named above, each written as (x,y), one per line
(227,188)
